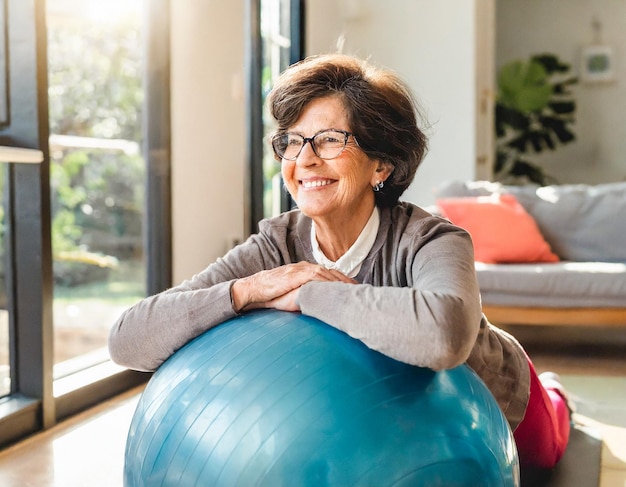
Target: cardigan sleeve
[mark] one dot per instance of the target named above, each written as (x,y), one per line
(424,309)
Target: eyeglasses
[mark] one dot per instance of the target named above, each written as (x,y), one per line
(326,144)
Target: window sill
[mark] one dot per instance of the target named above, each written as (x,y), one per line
(81,390)
(20,416)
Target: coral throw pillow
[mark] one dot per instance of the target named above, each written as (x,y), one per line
(501,229)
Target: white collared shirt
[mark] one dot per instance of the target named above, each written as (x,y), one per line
(350,262)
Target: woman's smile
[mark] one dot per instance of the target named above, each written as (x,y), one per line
(315,183)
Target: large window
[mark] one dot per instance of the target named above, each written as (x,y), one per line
(279,44)
(276,42)
(84,224)
(97,172)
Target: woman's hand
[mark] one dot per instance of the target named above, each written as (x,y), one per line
(278,287)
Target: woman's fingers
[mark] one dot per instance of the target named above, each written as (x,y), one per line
(271,284)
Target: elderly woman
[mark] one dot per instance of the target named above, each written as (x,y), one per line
(383,271)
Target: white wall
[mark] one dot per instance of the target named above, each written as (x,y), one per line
(527,27)
(430,44)
(208,130)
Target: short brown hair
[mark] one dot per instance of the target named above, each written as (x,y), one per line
(381,111)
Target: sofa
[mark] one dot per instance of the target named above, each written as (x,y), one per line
(552,255)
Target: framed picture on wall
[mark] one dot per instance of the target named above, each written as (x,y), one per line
(597,64)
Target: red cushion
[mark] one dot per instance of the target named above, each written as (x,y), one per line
(501,229)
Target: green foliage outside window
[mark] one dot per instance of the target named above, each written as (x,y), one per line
(95,91)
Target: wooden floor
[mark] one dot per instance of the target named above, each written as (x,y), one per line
(88,450)
(85,451)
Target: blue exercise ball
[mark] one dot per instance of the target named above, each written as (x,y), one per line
(275,399)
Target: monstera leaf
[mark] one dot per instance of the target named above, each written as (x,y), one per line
(523,86)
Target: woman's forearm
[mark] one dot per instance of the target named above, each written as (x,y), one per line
(153,329)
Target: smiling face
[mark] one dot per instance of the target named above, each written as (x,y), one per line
(333,190)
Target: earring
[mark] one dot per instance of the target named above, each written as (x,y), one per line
(378,186)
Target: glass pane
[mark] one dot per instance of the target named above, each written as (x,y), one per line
(97,172)
(5,364)
(275,33)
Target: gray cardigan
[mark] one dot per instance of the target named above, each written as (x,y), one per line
(418,302)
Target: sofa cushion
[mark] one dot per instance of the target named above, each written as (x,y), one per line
(501,229)
(580,222)
(561,284)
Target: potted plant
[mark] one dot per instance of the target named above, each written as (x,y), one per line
(534,112)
